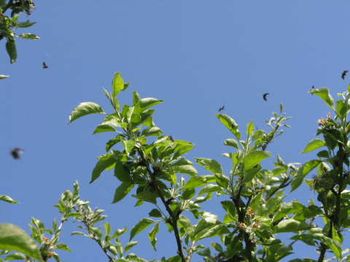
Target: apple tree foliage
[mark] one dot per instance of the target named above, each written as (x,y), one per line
(256,222)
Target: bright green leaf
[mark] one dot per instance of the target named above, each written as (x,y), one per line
(313,145)
(231,142)
(153,236)
(13,238)
(254,158)
(230,124)
(210,164)
(324,94)
(7,199)
(303,171)
(250,129)
(85,108)
(290,225)
(341,109)
(148,102)
(118,84)
(130,245)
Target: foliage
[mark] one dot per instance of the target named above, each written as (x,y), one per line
(151,167)
(10,12)
(256,218)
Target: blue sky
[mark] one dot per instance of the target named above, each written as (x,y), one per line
(195,54)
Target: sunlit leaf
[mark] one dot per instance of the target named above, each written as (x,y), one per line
(130,245)
(303,171)
(118,84)
(153,236)
(210,164)
(254,158)
(13,238)
(324,94)
(341,108)
(231,142)
(85,108)
(148,102)
(7,199)
(4,76)
(314,144)
(290,225)
(230,124)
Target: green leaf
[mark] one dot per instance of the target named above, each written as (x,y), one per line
(303,171)
(122,191)
(11,50)
(113,142)
(118,84)
(140,226)
(109,124)
(231,142)
(153,236)
(230,124)
(104,162)
(29,36)
(4,76)
(182,146)
(130,245)
(185,169)
(290,225)
(324,94)
(13,238)
(128,146)
(122,172)
(85,108)
(341,109)
(206,230)
(148,102)
(198,181)
(250,129)
(313,145)
(210,164)
(25,24)
(7,199)
(155,213)
(254,158)
(64,247)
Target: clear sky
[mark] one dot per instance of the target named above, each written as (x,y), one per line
(195,54)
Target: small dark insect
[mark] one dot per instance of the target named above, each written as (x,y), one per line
(171,138)
(313,87)
(17,153)
(265,96)
(343,75)
(45,66)
(221,108)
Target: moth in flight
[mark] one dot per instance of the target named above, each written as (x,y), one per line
(265,96)
(45,66)
(343,75)
(16,153)
(221,108)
